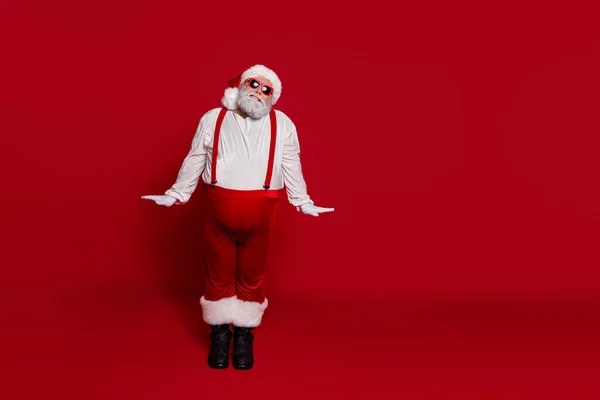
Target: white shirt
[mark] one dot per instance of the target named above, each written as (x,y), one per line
(243,156)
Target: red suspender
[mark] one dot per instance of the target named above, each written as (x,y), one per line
(213,172)
(267,184)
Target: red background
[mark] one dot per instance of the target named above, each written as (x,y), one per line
(457,142)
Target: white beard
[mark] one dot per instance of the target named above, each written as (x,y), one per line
(253,108)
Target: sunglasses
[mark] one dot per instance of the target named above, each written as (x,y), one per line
(255,83)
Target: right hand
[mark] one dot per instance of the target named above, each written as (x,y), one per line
(162,200)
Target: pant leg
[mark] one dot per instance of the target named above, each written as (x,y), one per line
(251,264)
(218,301)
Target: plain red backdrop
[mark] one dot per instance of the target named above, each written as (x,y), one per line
(457,142)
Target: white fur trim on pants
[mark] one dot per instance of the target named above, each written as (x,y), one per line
(231,310)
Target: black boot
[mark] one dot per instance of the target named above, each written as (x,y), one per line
(243,356)
(220,338)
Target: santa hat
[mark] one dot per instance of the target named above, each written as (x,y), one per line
(229,100)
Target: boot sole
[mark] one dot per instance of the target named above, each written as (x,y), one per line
(237,365)
(243,366)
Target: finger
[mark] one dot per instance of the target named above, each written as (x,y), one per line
(325,209)
(151,197)
(314,214)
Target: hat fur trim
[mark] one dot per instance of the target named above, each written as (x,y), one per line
(229,99)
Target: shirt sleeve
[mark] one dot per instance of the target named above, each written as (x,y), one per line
(292,169)
(192,167)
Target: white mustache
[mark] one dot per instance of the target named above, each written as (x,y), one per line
(257,97)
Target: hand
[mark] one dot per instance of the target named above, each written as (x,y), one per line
(311,209)
(162,200)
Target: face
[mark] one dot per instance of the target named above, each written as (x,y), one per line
(261,89)
(255,97)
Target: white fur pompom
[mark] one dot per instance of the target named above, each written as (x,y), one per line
(229,100)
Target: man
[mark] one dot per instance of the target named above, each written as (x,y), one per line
(248,156)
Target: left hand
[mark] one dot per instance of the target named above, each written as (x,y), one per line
(311,209)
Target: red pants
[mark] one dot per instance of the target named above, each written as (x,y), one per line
(238,225)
